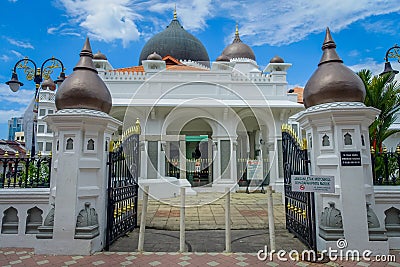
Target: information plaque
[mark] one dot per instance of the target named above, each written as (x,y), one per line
(350,158)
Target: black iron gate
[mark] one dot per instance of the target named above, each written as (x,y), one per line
(123,163)
(299,206)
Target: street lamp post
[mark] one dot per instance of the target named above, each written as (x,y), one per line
(37,75)
(393,52)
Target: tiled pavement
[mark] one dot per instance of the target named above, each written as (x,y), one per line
(25,257)
(205,212)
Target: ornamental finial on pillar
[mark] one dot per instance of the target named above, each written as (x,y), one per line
(84,89)
(332,81)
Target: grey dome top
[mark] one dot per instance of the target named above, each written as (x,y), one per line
(84,89)
(154,56)
(99,55)
(332,81)
(176,42)
(238,49)
(276,59)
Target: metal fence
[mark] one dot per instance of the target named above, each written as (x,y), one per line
(386,167)
(25,172)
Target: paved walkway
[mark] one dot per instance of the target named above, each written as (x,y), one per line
(206,211)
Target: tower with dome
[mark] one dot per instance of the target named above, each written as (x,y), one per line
(202,120)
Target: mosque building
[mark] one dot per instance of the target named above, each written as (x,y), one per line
(203,121)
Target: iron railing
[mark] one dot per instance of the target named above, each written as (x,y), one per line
(386,167)
(25,172)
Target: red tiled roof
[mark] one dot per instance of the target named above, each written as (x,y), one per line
(299,91)
(171,64)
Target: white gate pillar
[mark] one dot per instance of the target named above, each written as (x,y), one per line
(336,124)
(76,225)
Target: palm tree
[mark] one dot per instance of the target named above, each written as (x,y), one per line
(385,96)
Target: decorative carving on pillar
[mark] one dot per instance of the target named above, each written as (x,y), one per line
(331,225)
(87,223)
(46,230)
(376,232)
(392,222)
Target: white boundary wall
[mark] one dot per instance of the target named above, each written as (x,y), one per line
(22,200)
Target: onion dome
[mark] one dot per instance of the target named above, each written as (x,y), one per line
(154,56)
(332,81)
(84,89)
(238,49)
(100,56)
(222,57)
(176,42)
(276,59)
(49,84)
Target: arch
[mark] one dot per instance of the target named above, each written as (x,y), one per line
(33,220)
(392,222)
(10,221)
(70,144)
(179,117)
(90,144)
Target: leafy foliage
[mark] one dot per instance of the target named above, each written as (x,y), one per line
(385,96)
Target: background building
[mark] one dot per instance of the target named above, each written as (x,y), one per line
(44,134)
(15,125)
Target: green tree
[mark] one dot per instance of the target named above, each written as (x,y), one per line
(385,96)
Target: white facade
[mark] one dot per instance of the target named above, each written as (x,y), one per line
(44,134)
(232,112)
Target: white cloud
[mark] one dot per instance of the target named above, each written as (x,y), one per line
(261,21)
(375,67)
(22,96)
(103,19)
(12,1)
(17,54)
(4,58)
(17,101)
(284,22)
(5,115)
(192,15)
(20,43)
(63,29)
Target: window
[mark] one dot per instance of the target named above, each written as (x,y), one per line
(70,144)
(50,111)
(41,129)
(40,146)
(49,130)
(49,146)
(90,145)
(42,112)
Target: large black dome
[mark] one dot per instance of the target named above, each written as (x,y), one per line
(176,42)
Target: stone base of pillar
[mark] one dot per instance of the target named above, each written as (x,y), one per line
(68,247)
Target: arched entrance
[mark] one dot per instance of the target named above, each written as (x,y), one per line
(196,146)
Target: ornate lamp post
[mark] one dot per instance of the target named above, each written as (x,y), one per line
(37,75)
(393,52)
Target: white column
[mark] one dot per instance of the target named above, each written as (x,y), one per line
(353,184)
(79,177)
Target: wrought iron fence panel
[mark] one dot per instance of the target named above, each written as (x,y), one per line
(123,163)
(386,167)
(299,206)
(25,172)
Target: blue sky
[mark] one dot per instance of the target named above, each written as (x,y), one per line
(362,29)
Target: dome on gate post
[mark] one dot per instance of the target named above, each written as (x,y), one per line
(332,81)
(84,89)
